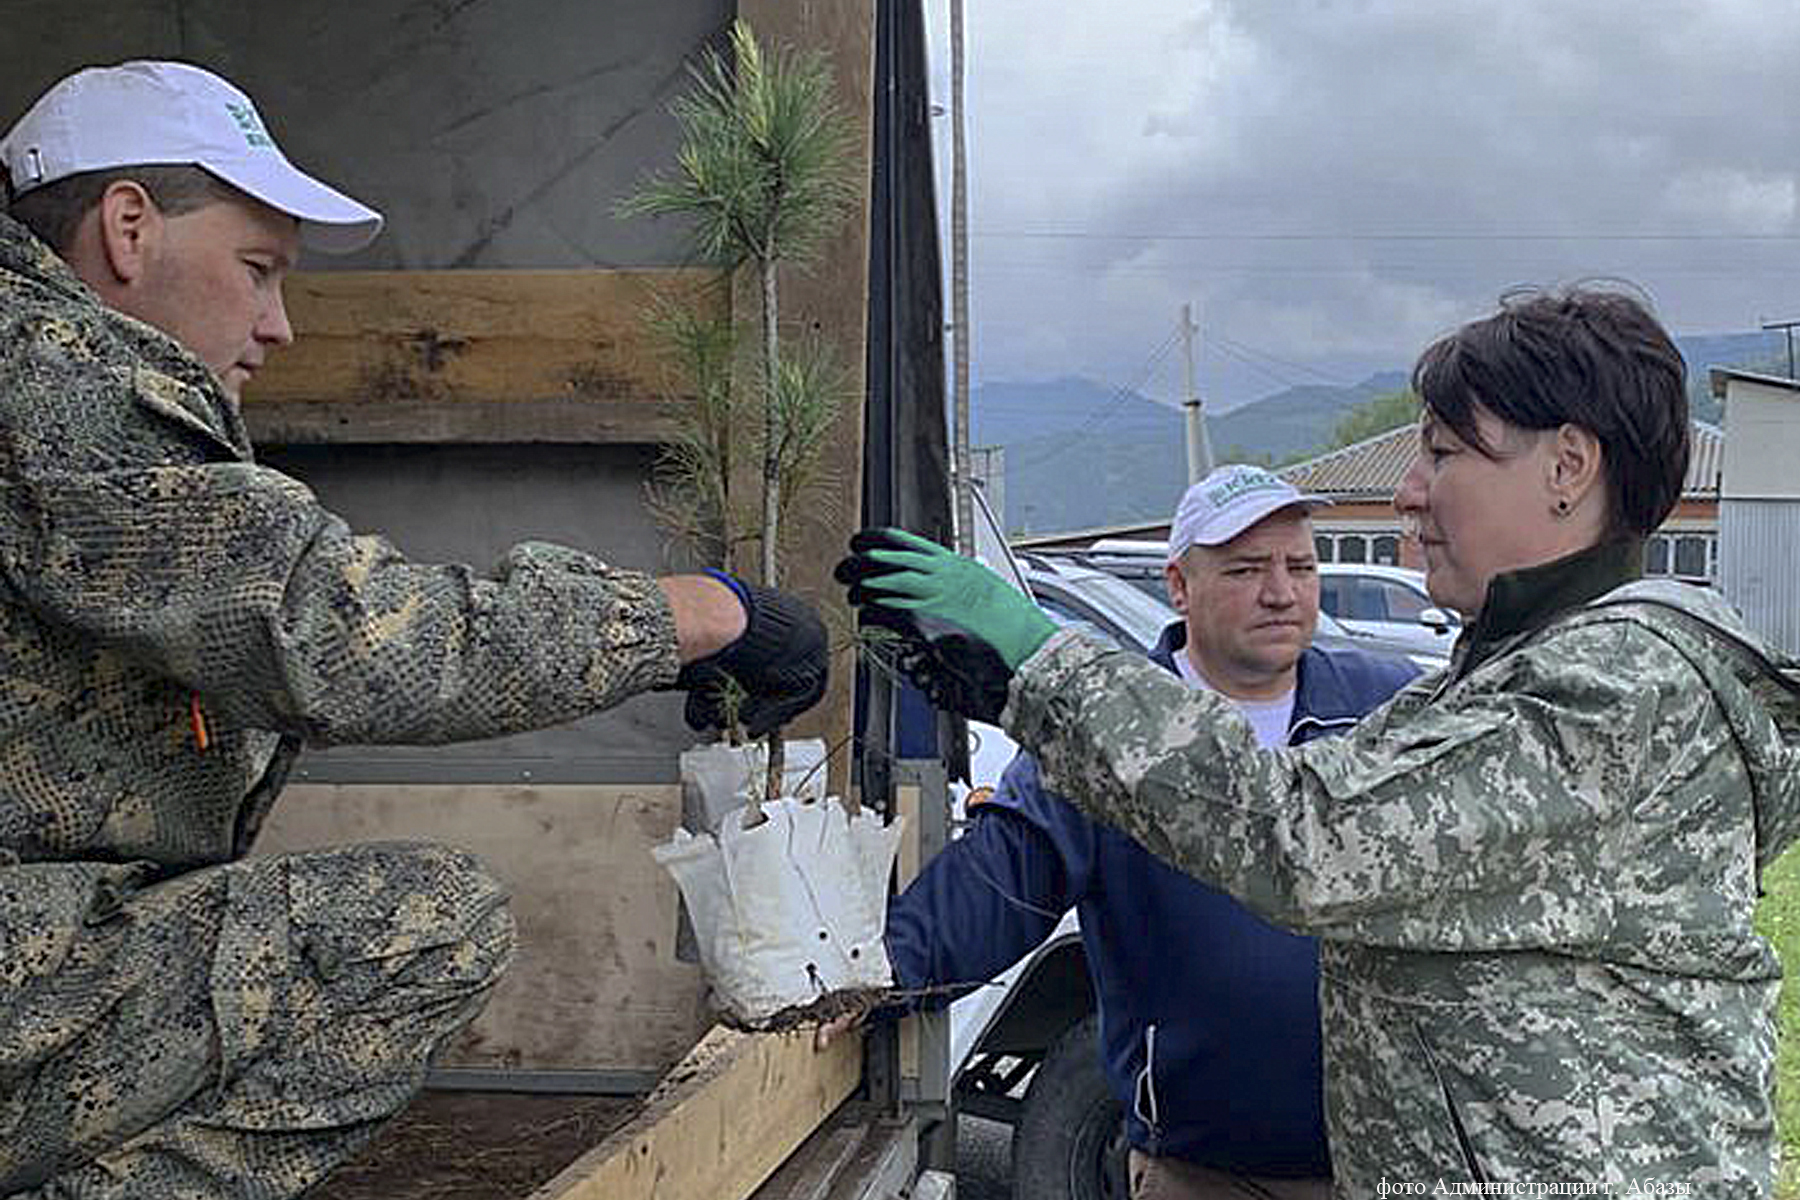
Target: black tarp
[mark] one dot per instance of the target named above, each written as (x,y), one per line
(906,476)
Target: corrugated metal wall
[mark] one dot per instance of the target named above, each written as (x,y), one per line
(1759,566)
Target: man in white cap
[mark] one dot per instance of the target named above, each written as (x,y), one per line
(1208,1029)
(177,1020)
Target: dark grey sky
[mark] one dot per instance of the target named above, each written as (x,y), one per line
(1334,182)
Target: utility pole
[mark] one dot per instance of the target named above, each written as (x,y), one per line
(964,482)
(1787,327)
(1199,446)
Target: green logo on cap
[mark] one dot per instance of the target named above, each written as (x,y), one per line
(251,126)
(1240,485)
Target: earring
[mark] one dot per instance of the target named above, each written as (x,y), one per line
(1562,507)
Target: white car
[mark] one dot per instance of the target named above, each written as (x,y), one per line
(1425,640)
(1024,1050)
(1387,602)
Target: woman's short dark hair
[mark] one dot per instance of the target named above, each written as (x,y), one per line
(1588,356)
(53,212)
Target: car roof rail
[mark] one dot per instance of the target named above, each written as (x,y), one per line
(1134,546)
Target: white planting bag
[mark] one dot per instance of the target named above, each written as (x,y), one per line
(790,909)
(718,778)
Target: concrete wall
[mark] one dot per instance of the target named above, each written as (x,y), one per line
(492,133)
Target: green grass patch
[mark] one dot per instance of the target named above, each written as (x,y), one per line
(1778,919)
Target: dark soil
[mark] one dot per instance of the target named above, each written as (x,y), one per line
(477,1146)
(844,1003)
(504,1145)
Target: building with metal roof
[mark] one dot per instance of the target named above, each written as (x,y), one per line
(1759,503)
(1361,525)
(1373,467)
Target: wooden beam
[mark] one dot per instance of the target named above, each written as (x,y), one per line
(475,356)
(862,1153)
(581,421)
(909,799)
(721,1122)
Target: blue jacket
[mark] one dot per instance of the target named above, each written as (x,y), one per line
(1209,1016)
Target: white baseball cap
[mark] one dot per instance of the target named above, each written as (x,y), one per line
(1229,501)
(156,113)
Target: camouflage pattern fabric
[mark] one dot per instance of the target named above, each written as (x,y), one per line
(233,1031)
(1533,874)
(175,623)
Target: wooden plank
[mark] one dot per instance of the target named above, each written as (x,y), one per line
(583,422)
(723,1120)
(908,799)
(475,356)
(861,1153)
(596,984)
(809,1172)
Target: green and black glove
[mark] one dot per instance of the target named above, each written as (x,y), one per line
(779,663)
(962,629)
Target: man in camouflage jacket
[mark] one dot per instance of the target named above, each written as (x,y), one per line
(175,623)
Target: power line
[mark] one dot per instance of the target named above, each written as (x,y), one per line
(1230,344)
(1089,235)
(1787,329)
(1123,393)
(1259,368)
(1511,269)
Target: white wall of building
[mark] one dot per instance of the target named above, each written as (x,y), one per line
(1759,507)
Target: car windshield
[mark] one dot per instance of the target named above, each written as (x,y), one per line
(1156,590)
(1153,586)
(1135,611)
(991,550)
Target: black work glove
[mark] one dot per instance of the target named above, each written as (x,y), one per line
(779,662)
(958,630)
(958,674)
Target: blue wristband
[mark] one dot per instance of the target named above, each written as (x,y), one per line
(735,584)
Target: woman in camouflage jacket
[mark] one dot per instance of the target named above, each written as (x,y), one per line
(1533,872)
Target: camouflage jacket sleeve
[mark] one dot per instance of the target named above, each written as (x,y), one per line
(1490,812)
(233,580)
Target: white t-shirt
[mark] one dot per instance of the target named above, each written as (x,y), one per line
(1269,719)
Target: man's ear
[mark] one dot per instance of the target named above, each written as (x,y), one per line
(130,230)
(1176,582)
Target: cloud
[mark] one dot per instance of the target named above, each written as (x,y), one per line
(1733,198)
(1337,181)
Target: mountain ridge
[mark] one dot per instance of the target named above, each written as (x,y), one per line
(1081,455)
